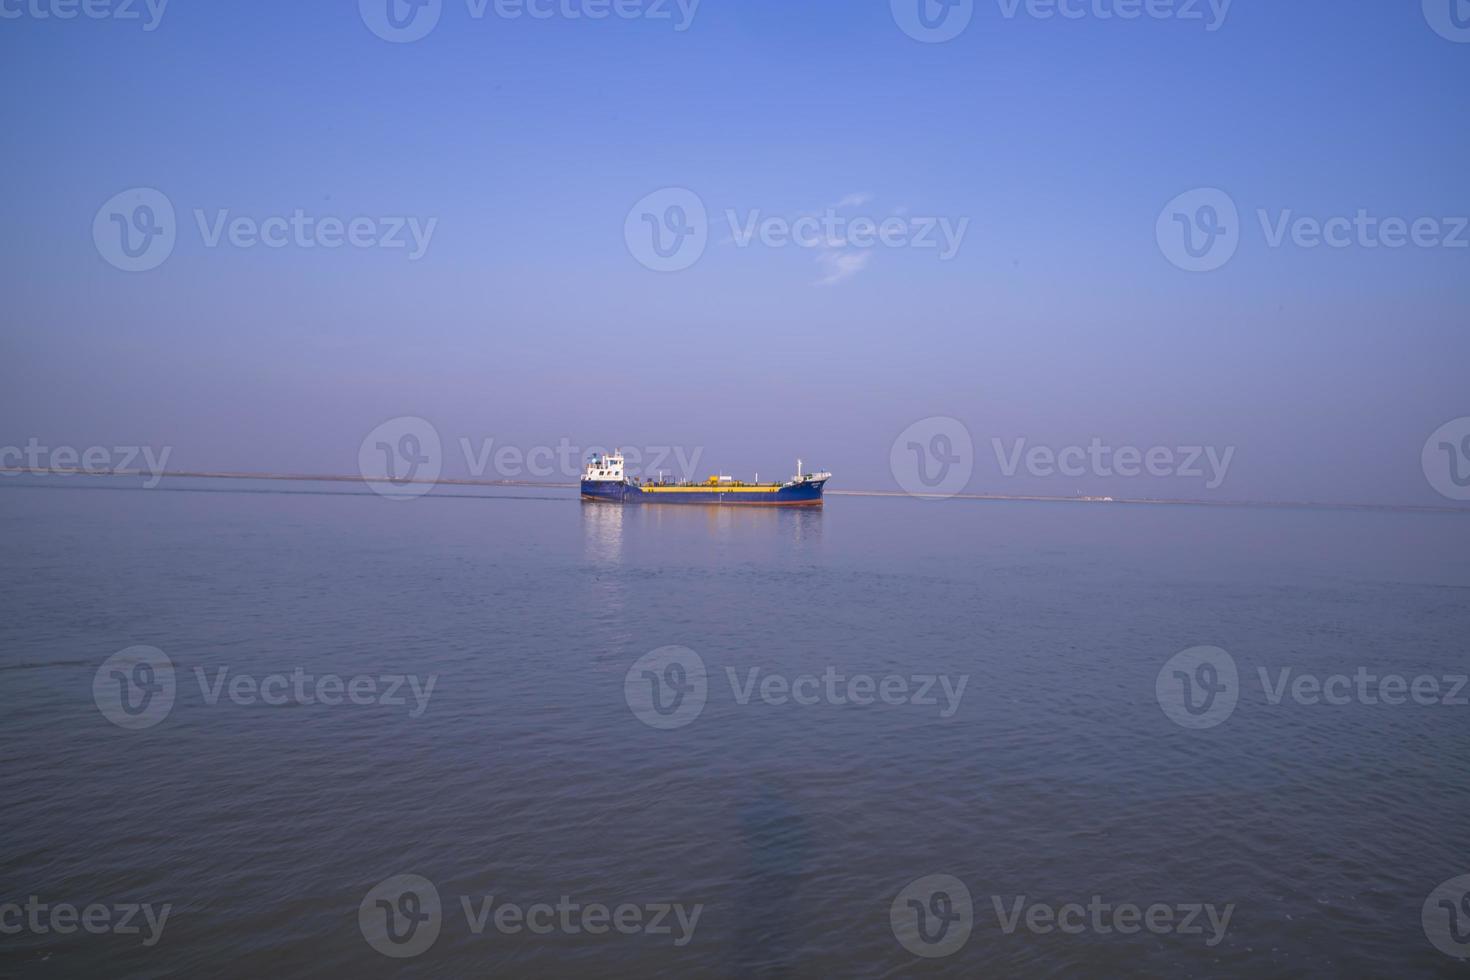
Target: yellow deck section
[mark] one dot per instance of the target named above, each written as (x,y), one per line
(710,488)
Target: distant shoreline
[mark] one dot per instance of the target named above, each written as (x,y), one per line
(1032,498)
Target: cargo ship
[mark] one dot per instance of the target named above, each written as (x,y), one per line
(604,480)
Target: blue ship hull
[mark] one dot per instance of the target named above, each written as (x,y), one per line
(804,494)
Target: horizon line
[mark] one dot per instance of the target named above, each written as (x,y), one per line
(1031,498)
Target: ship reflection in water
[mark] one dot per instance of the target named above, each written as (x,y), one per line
(613,533)
(662,573)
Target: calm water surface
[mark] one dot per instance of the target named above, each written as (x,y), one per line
(527,776)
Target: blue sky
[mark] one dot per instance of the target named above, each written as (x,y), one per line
(528,320)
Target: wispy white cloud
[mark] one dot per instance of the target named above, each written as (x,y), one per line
(837,266)
(837,258)
(854,200)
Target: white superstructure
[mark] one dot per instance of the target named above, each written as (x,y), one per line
(801,477)
(607,466)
